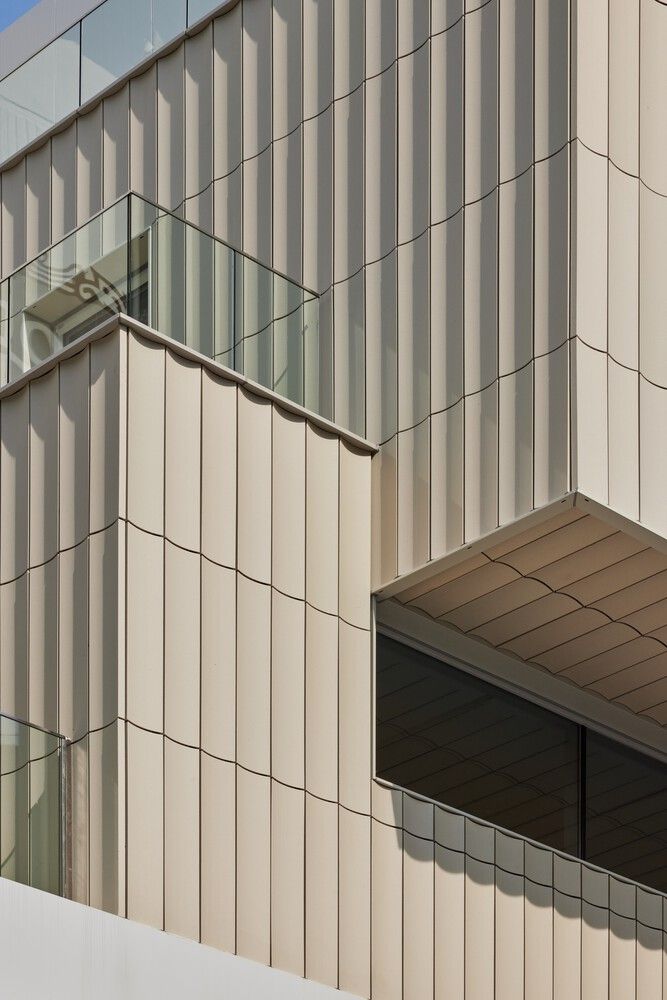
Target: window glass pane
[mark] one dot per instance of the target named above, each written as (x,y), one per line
(120,34)
(40,93)
(44,811)
(468,744)
(30,807)
(626,812)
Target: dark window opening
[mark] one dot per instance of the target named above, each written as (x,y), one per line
(468,744)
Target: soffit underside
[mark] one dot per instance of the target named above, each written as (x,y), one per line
(580,593)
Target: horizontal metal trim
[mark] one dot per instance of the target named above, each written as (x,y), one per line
(433,568)
(121,321)
(523,679)
(32,725)
(574,500)
(113,87)
(132,195)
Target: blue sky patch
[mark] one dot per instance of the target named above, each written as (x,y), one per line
(11,10)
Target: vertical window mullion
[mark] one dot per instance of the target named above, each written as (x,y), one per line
(582,792)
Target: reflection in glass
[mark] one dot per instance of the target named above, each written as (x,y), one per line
(4,331)
(40,93)
(167,236)
(468,744)
(224,303)
(137,259)
(121,34)
(199,291)
(626,812)
(30,805)
(68,290)
(458,740)
(199,8)
(101,48)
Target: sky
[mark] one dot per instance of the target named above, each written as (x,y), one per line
(10,10)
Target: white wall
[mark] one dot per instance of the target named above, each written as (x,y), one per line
(53,949)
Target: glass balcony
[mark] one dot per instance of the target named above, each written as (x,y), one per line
(95,52)
(31,805)
(137,259)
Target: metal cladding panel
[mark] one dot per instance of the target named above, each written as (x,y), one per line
(143,134)
(145,826)
(182,869)
(73,451)
(507,287)
(288,721)
(287,878)
(271,838)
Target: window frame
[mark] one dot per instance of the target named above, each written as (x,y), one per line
(584,723)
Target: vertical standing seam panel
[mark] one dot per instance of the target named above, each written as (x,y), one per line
(43,494)
(218,655)
(183,404)
(38,200)
(182,655)
(181,840)
(218,853)
(287,878)
(198,117)
(253,860)
(89,136)
(170,130)
(288,681)
(145,827)
(142,134)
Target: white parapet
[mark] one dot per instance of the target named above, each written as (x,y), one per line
(52,947)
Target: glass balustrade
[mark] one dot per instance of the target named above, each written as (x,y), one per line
(99,49)
(137,259)
(31,805)
(120,34)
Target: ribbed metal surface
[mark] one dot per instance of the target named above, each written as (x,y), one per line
(576,596)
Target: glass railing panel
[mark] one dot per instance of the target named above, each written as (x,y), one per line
(166,238)
(224,304)
(254,337)
(45,812)
(199,291)
(31,827)
(317,357)
(228,306)
(351,354)
(200,8)
(120,34)
(103,47)
(4,331)
(137,259)
(288,356)
(141,302)
(40,93)
(68,290)
(288,300)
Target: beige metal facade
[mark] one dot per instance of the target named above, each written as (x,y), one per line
(222,719)
(407,161)
(477,196)
(467,192)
